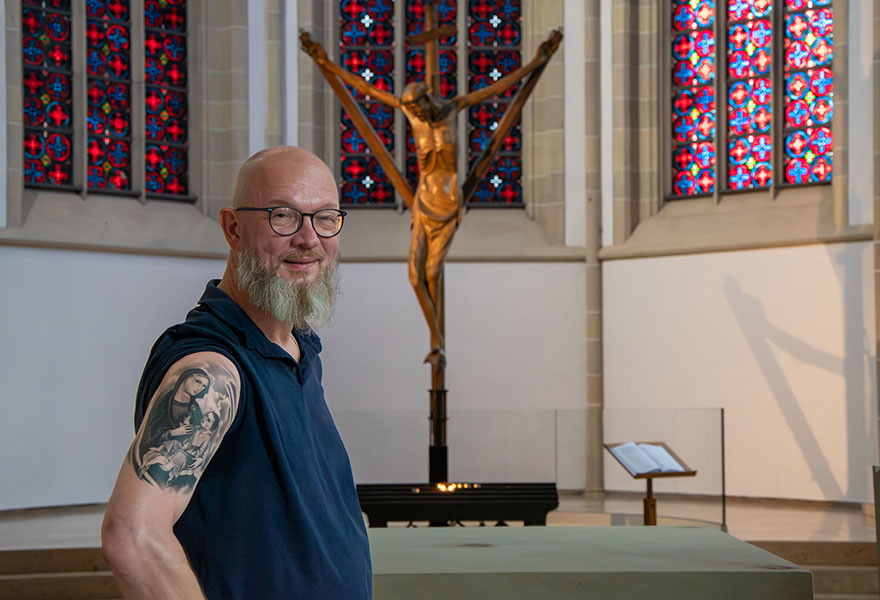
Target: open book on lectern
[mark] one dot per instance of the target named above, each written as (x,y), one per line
(645,458)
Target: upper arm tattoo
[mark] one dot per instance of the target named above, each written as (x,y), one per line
(188,416)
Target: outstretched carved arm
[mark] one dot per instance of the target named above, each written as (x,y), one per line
(316,51)
(333,73)
(542,56)
(511,114)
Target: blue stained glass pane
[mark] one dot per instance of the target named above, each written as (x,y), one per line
(693,118)
(809,92)
(494,37)
(166,125)
(108,120)
(749,93)
(366,43)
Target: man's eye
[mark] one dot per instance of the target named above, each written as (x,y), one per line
(283,214)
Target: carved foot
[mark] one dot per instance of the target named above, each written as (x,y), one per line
(436,358)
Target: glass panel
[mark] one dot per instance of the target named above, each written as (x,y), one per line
(749,94)
(367,48)
(694,151)
(108,64)
(809,91)
(47,98)
(167,112)
(494,46)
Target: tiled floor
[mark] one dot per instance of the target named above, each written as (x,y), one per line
(750,520)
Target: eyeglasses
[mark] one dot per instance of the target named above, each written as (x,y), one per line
(285,220)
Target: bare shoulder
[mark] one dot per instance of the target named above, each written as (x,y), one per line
(188,416)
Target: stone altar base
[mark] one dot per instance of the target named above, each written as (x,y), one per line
(608,563)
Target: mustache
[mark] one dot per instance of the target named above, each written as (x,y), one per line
(300,254)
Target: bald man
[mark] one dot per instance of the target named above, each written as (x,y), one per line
(237,484)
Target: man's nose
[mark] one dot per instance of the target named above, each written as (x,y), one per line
(306,237)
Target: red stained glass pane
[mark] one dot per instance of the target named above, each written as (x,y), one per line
(47,104)
(808,104)
(749,93)
(693,118)
(166,103)
(108,120)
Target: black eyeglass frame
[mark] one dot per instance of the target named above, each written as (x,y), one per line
(311,216)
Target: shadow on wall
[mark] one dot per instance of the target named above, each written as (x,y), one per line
(859,370)
(856,367)
(762,336)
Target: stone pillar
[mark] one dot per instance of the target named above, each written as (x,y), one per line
(542,123)
(315,99)
(225,115)
(635,80)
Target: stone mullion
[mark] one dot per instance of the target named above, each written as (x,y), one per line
(137,93)
(399,78)
(592,243)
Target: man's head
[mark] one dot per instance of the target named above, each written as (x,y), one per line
(291,277)
(415,99)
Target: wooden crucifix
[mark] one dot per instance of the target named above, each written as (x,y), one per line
(437,202)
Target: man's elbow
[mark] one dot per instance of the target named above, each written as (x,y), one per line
(118,542)
(127,542)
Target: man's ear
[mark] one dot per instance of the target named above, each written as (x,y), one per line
(229,224)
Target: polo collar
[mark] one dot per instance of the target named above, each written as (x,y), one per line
(227,310)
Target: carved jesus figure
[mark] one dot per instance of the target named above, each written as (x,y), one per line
(438,201)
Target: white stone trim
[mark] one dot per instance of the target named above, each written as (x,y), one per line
(575,124)
(606,104)
(290,73)
(257,83)
(860,98)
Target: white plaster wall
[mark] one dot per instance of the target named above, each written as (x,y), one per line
(76,328)
(783,339)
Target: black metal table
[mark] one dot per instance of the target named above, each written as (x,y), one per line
(527,502)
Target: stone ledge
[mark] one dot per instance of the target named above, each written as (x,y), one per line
(120,224)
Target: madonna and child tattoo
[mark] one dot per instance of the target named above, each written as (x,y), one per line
(187,418)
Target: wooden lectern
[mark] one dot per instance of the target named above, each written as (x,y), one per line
(650,503)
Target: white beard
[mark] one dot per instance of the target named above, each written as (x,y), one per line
(303,305)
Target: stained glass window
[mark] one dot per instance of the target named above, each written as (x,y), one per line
(493,34)
(108,123)
(415,65)
(803,94)
(749,94)
(167,111)
(809,90)
(494,45)
(367,49)
(49,145)
(47,84)
(693,99)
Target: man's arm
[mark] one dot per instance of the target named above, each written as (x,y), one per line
(157,478)
(542,56)
(316,51)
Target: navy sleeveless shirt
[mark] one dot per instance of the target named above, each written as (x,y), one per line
(275,514)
